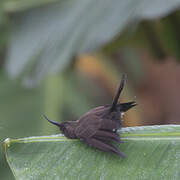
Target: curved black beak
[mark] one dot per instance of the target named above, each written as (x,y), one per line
(53,122)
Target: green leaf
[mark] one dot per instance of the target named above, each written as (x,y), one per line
(45,38)
(21,111)
(153,152)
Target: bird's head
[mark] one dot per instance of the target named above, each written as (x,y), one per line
(67,128)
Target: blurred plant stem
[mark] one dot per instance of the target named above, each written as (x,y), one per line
(154,41)
(174,23)
(53,100)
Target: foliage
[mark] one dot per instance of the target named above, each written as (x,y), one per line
(152,153)
(51,33)
(38,37)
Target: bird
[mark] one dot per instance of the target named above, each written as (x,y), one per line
(98,127)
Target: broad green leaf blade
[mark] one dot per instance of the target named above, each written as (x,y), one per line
(44,39)
(19,108)
(152,152)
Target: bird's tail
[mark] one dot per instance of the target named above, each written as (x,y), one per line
(123,107)
(115,100)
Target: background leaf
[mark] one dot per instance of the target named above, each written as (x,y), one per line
(20,111)
(152,153)
(52,34)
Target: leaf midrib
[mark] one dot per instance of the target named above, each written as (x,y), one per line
(124,136)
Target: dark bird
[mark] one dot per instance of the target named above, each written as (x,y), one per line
(98,127)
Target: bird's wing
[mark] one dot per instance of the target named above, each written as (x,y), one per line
(88,126)
(110,125)
(97,143)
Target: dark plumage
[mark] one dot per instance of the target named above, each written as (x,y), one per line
(98,127)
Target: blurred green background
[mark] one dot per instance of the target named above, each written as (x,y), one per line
(62,58)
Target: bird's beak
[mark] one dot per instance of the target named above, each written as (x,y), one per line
(52,122)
